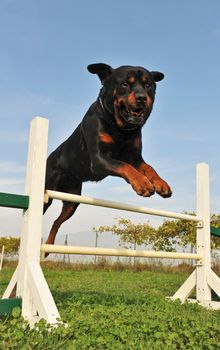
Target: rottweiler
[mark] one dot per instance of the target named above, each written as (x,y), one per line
(108,140)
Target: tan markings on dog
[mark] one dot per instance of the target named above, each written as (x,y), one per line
(114,92)
(131,99)
(140,183)
(159,184)
(106,138)
(148,171)
(131,80)
(149,101)
(128,172)
(118,118)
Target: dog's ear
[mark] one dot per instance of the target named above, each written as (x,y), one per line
(158,76)
(101,69)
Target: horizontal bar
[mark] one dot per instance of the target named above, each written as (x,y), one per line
(17,201)
(116,205)
(64,249)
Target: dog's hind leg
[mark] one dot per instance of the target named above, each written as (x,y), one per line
(68,210)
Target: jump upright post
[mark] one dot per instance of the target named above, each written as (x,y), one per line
(28,279)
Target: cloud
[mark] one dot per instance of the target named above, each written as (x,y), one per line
(10,136)
(12,168)
(13,178)
(36,99)
(10,182)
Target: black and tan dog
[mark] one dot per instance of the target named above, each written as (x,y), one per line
(108,140)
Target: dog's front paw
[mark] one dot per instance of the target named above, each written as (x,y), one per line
(142,186)
(162,188)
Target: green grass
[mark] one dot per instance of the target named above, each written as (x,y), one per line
(107,309)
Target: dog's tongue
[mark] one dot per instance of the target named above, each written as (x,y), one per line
(137,112)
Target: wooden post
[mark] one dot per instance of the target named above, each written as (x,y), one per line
(2,257)
(31,286)
(203,290)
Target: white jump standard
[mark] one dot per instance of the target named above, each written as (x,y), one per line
(31,286)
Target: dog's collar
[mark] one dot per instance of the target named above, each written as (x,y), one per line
(101,104)
(122,128)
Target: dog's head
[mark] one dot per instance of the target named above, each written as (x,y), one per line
(128,92)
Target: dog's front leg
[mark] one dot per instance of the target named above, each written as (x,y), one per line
(108,166)
(161,186)
(99,147)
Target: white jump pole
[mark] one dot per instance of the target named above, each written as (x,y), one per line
(117,205)
(203,290)
(206,279)
(2,257)
(63,249)
(28,279)
(202,278)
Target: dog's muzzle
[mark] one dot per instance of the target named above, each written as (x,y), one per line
(136,116)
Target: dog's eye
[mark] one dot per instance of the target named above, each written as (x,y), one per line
(147,86)
(124,84)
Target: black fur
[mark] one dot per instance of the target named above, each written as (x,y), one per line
(108,140)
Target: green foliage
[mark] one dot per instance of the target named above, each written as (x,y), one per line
(15,333)
(169,235)
(175,232)
(11,245)
(113,310)
(215,221)
(130,233)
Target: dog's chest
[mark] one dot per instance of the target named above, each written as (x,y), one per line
(119,147)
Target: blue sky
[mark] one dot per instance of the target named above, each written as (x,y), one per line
(45,47)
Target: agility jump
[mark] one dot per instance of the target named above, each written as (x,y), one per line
(28,281)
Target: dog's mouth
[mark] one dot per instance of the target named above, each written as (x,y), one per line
(136,116)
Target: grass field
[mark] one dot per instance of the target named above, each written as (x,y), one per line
(113,309)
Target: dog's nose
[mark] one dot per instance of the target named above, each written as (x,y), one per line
(141,98)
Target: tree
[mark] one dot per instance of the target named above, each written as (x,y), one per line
(175,232)
(11,245)
(215,221)
(130,233)
(169,235)
(183,233)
